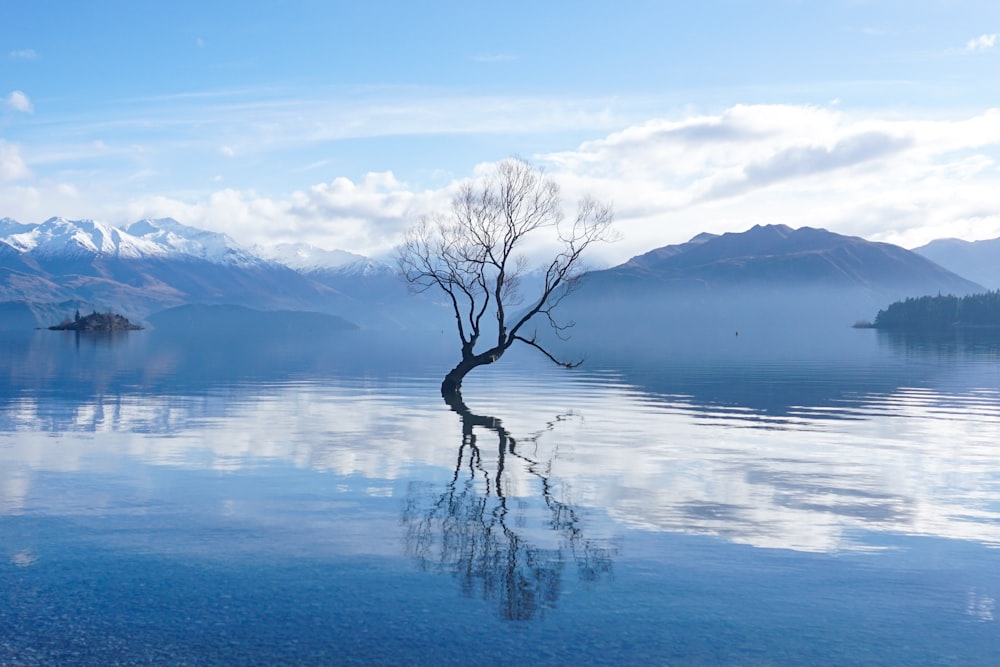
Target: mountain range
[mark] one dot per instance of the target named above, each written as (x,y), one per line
(976,260)
(58,238)
(152,265)
(768,287)
(777,256)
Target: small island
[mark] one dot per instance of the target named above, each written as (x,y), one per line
(100,322)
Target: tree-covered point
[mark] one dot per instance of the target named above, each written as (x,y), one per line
(937,312)
(96,322)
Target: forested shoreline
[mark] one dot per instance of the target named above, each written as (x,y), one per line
(941,312)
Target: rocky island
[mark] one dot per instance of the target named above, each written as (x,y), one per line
(101,322)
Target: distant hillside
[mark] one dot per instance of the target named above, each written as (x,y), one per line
(976,260)
(772,287)
(777,254)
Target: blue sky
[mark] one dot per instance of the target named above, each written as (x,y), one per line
(337,123)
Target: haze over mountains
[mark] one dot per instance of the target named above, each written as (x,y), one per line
(737,281)
(769,286)
(976,260)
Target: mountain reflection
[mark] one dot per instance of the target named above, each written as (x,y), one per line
(502,547)
(812,456)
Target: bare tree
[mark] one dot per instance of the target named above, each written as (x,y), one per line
(474,254)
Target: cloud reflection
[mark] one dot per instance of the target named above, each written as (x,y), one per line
(915,461)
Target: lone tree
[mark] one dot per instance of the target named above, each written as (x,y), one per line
(474,255)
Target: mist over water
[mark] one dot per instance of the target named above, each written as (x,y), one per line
(311,498)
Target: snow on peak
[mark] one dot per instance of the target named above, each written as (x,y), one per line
(304,257)
(59,237)
(74,238)
(178,239)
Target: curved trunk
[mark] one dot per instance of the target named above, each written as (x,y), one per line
(452,383)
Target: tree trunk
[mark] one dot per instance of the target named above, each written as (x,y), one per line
(452,383)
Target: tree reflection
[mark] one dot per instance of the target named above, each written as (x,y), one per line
(509,547)
(949,343)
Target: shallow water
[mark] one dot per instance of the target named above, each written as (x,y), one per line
(250,503)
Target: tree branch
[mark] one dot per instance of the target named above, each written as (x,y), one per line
(533,343)
(474,256)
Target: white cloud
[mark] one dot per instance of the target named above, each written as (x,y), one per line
(367,216)
(879,176)
(904,181)
(23,54)
(12,165)
(981,43)
(805,161)
(18,101)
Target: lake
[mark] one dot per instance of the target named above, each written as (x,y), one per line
(170,500)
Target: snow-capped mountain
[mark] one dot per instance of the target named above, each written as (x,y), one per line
(144,267)
(150,265)
(180,240)
(145,239)
(344,271)
(304,258)
(75,238)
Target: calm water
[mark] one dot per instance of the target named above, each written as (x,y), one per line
(194,502)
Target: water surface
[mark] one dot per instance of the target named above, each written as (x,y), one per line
(285,502)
